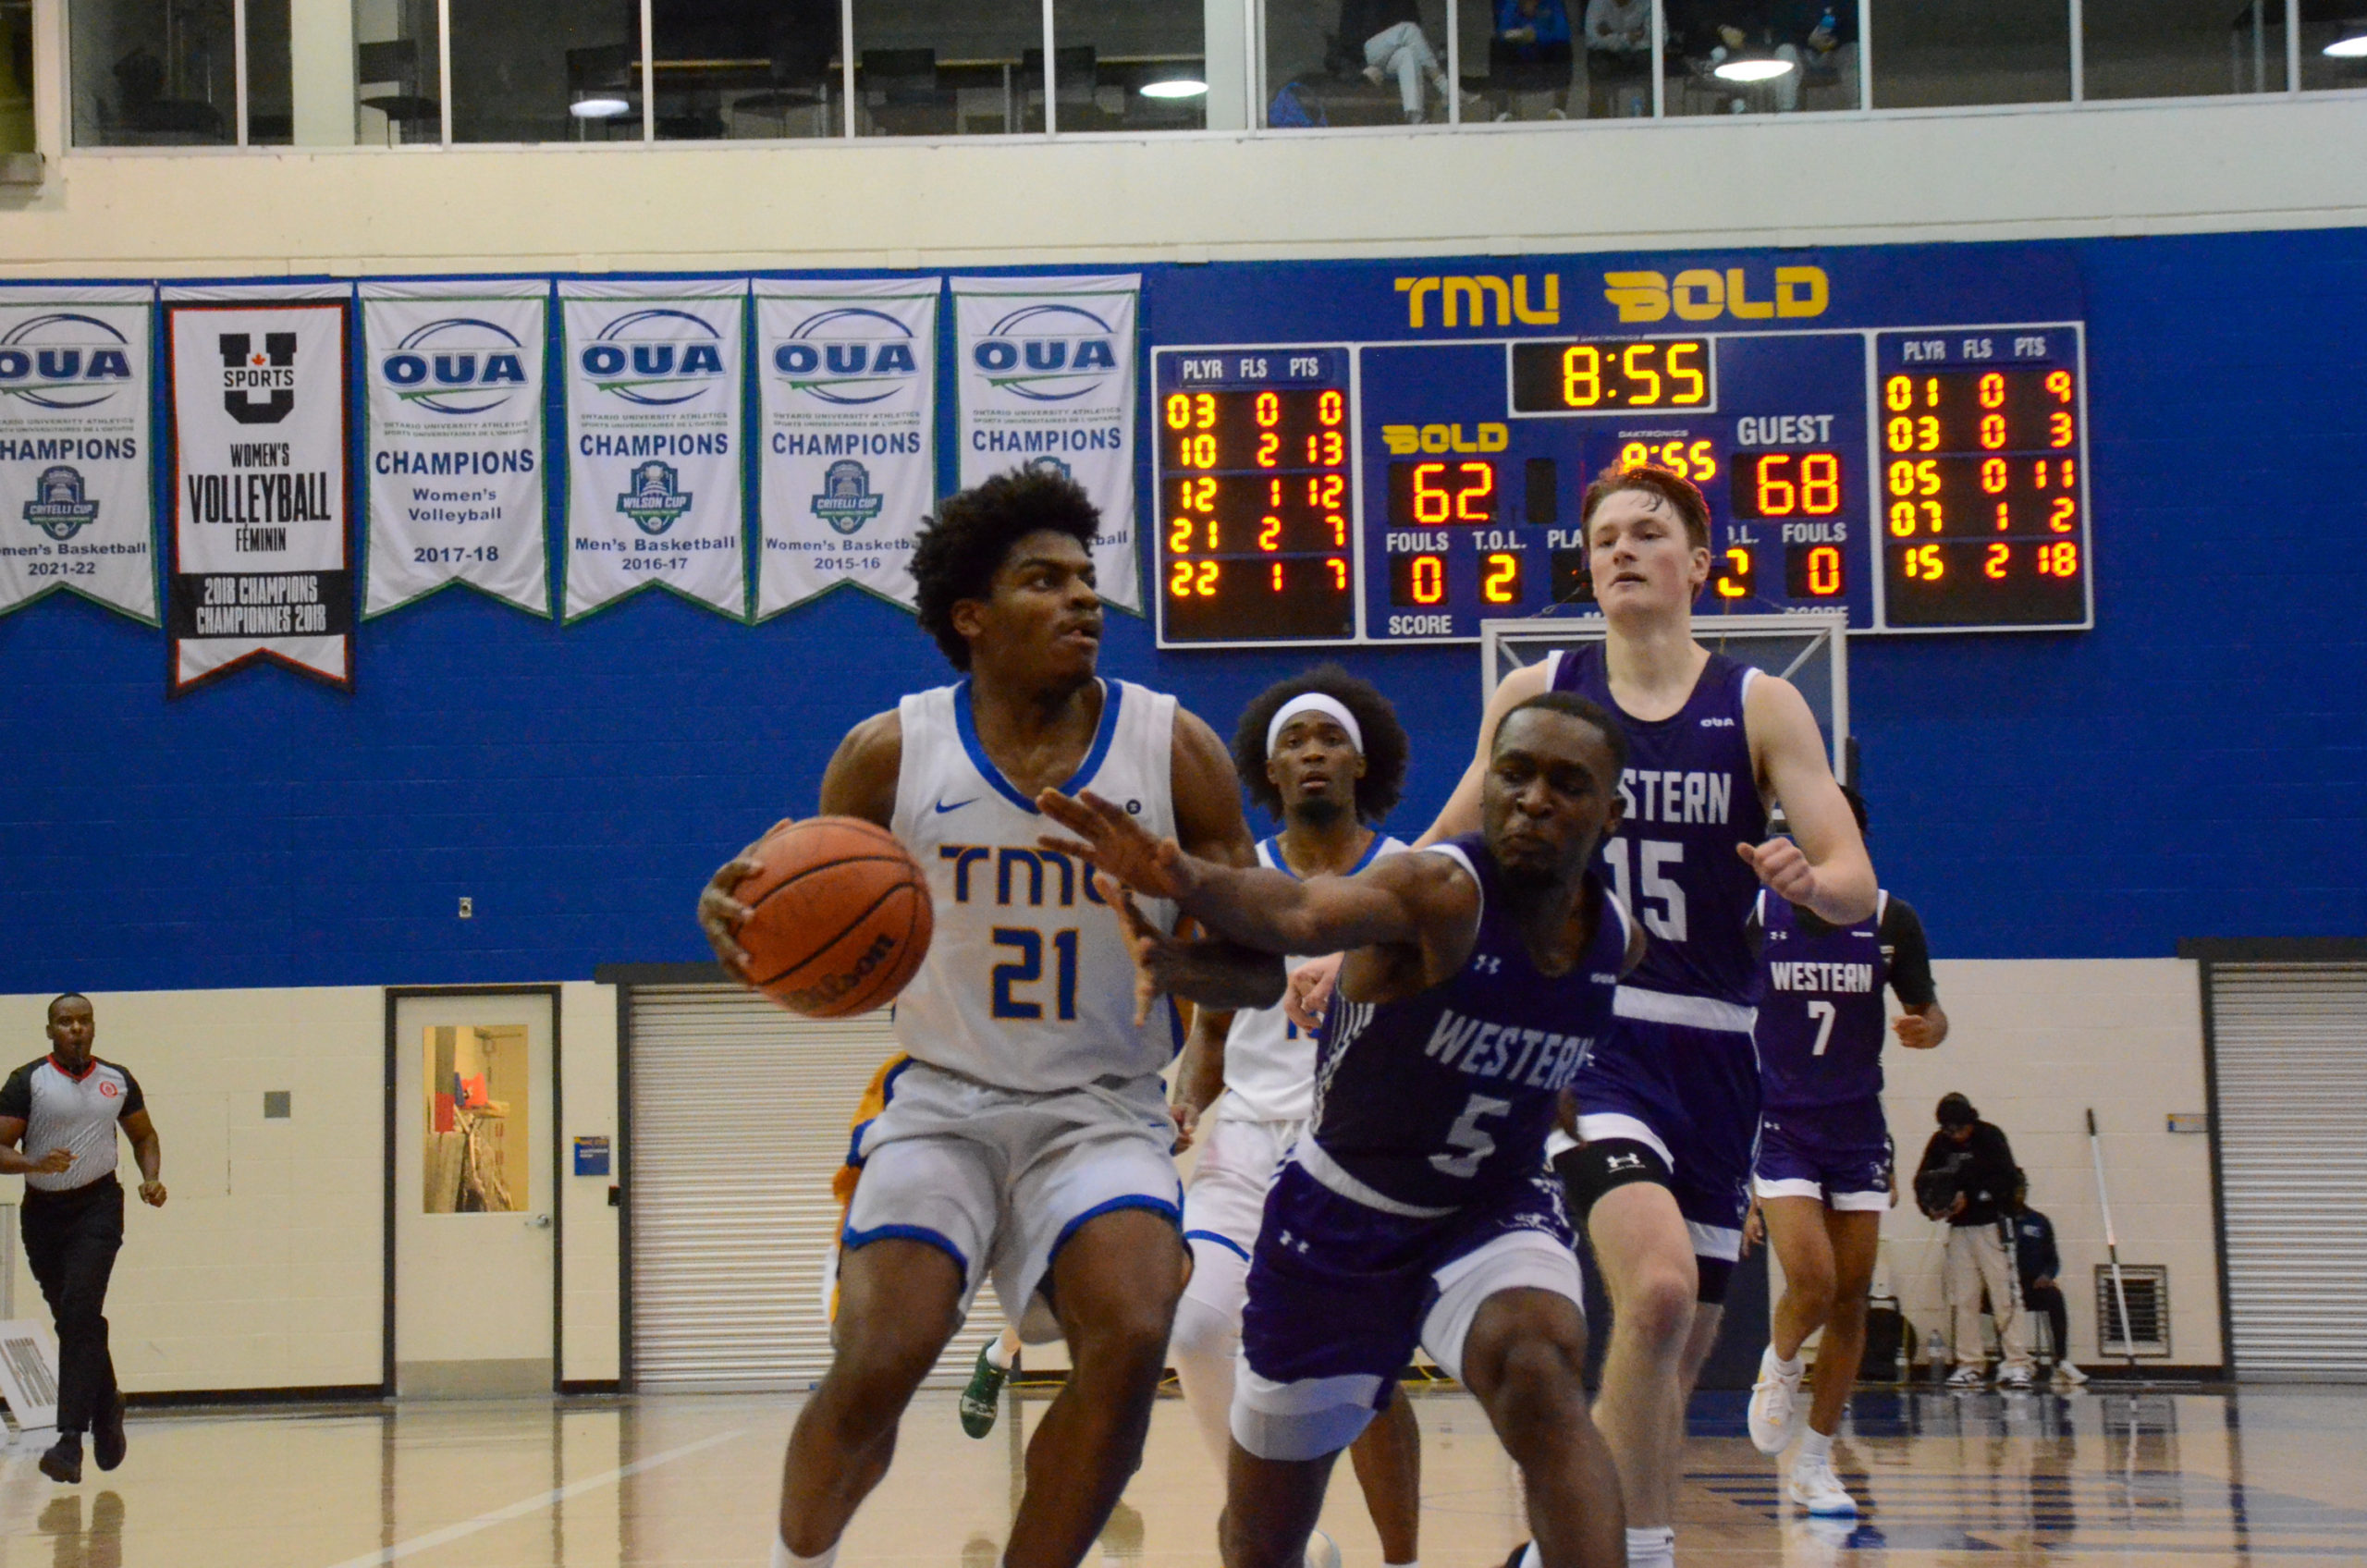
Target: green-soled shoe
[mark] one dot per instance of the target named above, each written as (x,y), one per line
(981,1400)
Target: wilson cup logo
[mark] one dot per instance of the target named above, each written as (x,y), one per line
(850,355)
(64,361)
(655,357)
(655,500)
(460,365)
(247,370)
(1048,353)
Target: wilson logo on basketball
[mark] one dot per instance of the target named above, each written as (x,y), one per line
(815,999)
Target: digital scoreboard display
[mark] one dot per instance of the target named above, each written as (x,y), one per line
(1921,480)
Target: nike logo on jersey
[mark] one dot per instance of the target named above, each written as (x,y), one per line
(942,808)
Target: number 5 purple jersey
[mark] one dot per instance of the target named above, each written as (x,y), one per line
(1426,1105)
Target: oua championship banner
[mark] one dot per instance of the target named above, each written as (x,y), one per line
(847,378)
(261,567)
(654,403)
(75,508)
(454,441)
(1046,373)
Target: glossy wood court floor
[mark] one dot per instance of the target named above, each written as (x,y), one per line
(2185,1478)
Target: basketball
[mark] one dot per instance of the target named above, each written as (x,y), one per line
(838,916)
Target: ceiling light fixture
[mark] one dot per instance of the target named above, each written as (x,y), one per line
(2352,48)
(1748,70)
(599,108)
(1182,88)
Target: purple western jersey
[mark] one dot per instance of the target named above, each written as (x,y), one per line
(1691,795)
(1821,1023)
(1444,1098)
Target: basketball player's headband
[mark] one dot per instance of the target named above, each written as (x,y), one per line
(1315,702)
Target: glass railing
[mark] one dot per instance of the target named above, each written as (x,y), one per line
(264,73)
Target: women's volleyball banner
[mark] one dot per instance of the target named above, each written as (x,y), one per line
(261,567)
(75,511)
(654,403)
(1047,373)
(454,442)
(847,379)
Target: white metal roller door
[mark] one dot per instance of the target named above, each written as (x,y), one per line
(2289,1045)
(739,1116)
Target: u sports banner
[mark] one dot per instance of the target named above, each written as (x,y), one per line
(261,491)
(453,449)
(847,374)
(653,404)
(75,506)
(1047,374)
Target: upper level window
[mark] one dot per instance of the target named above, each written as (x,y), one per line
(16,77)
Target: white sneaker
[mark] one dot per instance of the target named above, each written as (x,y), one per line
(2013,1377)
(1375,75)
(2069,1376)
(1965,1377)
(1776,1409)
(1322,1552)
(1815,1488)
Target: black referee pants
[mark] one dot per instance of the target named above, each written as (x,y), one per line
(70,1241)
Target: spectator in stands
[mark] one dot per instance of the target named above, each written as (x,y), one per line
(1967,1179)
(1530,60)
(2037,1262)
(1807,35)
(1619,55)
(1396,45)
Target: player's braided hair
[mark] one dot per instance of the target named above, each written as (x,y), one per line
(1385,746)
(961,548)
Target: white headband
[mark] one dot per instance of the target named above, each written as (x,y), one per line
(1315,702)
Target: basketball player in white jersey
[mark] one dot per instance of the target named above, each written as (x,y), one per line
(1028,1139)
(1325,753)
(1669,1099)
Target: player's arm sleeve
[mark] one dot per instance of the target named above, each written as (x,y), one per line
(16,1095)
(134,1101)
(1910,962)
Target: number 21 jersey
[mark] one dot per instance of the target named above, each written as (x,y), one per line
(1027,984)
(1690,796)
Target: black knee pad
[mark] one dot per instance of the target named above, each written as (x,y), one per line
(1714,1273)
(1591,1170)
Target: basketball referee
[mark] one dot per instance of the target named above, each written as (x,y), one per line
(68,1105)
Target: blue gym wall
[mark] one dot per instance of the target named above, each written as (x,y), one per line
(2192,767)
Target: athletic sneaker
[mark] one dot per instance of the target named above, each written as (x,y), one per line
(62,1461)
(1373,74)
(1322,1552)
(1776,1408)
(106,1435)
(2013,1377)
(1965,1377)
(1815,1488)
(980,1400)
(2069,1376)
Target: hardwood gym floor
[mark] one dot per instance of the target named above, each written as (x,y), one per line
(2195,1480)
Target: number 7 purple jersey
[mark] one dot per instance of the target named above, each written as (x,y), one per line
(1691,795)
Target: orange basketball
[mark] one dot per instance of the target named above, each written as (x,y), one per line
(838,916)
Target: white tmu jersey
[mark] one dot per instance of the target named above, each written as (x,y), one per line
(1268,1060)
(1027,984)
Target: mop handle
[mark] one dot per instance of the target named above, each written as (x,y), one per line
(2112,1245)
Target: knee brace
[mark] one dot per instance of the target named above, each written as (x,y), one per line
(1589,1170)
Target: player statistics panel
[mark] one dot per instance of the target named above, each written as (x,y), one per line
(1254,480)
(1981,439)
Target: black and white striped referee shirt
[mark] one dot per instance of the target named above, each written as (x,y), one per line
(78,1112)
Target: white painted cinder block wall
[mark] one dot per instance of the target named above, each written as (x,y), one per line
(266,1268)
(264,1271)
(2035,1044)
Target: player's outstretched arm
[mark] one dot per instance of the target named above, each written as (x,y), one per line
(1461,812)
(860,782)
(1824,866)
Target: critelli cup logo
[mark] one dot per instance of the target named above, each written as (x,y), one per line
(847,500)
(64,361)
(1047,353)
(643,358)
(460,365)
(848,354)
(59,508)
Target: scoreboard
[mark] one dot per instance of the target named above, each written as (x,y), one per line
(1924,480)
